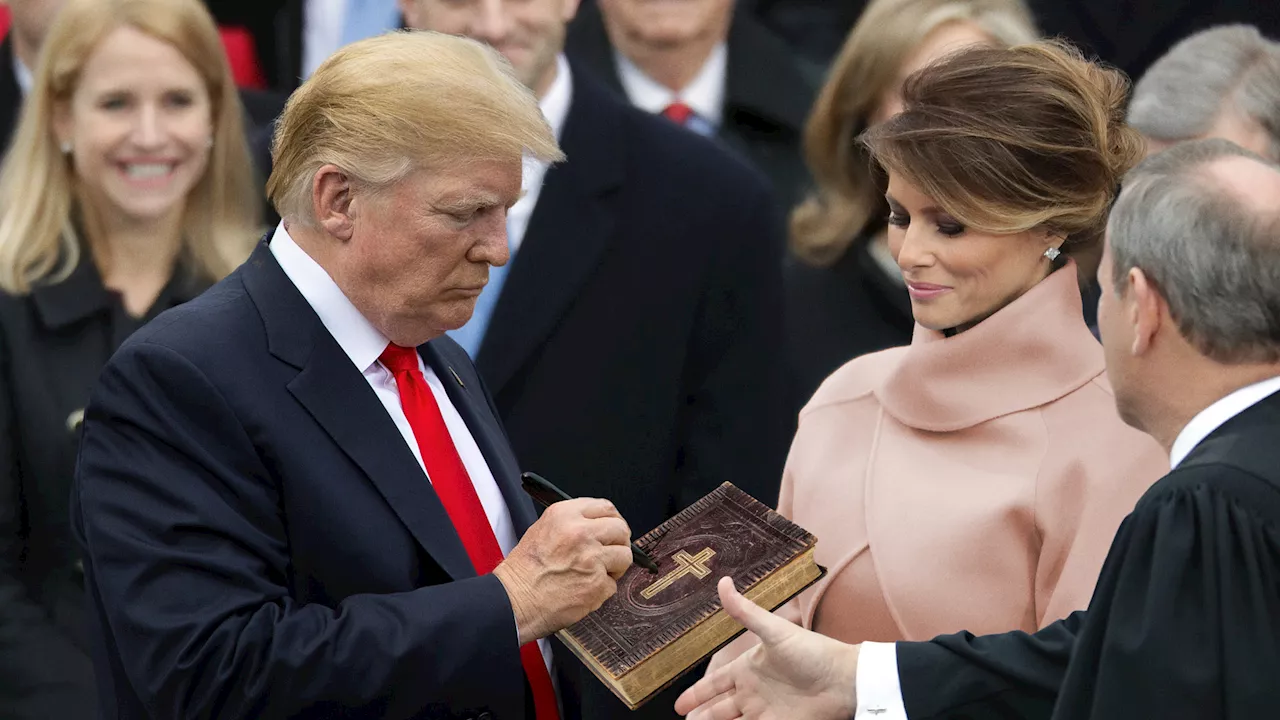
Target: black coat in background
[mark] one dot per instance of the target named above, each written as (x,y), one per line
(276,27)
(839,312)
(1130,34)
(10,95)
(1184,623)
(53,344)
(636,351)
(768,94)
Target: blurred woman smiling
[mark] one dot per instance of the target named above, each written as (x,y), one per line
(128,190)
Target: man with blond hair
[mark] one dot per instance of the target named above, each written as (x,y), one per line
(294,497)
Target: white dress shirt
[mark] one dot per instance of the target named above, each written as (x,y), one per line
(555,108)
(362,342)
(704,94)
(321,32)
(879,690)
(329,24)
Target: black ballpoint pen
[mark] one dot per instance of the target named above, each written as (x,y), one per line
(541,489)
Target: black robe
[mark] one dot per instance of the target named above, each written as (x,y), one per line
(1184,622)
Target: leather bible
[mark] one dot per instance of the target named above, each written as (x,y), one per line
(658,626)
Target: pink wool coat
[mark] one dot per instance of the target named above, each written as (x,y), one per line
(965,483)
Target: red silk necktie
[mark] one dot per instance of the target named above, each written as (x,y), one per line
(453,486)
(678,112)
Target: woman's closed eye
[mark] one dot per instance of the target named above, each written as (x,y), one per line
(947,228)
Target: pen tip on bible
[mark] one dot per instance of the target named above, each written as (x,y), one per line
(541,489)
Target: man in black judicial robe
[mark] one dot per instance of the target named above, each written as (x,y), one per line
(1185,619)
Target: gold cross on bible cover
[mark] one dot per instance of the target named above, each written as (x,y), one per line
(686,565)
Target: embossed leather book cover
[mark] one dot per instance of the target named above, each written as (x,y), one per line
(659,626)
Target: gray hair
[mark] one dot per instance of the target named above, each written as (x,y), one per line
(1214,258)
(1184,92)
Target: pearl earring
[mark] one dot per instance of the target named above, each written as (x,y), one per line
(209,143)
(65,147)
(1052,253)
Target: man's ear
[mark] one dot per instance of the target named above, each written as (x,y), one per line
(1146,310)
(331,202)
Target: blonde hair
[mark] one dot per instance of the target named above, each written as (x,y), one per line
(846,199)
(40,198)
(382,107)
(1048,154)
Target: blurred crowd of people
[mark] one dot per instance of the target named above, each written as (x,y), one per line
(751,266)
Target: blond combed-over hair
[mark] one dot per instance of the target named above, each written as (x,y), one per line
(41,204)
(383,107)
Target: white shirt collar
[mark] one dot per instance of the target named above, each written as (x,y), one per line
(322,32)
(704,94)
(555,103)
(359,339)
(22,74)
(1217,414)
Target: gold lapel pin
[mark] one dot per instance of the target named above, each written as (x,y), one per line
(455,377)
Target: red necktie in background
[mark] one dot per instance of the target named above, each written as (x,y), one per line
(678,112)
(242,56)
(453,486)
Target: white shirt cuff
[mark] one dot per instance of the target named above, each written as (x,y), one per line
(879,692)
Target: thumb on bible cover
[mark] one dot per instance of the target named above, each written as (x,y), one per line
(769,627)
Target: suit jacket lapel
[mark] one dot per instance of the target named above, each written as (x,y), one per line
(335,393)
(762,80)
(568,233)
(588,44)
(476,413)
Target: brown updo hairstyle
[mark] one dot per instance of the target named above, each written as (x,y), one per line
(845,205)
(1013,139)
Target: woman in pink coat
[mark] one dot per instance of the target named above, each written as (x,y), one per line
(974,479)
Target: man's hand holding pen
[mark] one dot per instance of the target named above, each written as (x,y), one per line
(565,566)
(543,491)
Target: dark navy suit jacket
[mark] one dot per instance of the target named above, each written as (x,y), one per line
(259,540)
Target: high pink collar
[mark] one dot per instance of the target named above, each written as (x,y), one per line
(1031,352)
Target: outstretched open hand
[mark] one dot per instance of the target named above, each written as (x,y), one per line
(792,673)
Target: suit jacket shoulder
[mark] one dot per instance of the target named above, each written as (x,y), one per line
(1239,460)
(202,327)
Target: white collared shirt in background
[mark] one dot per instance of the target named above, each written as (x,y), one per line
(879,688)
(704,94)
(321,32)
